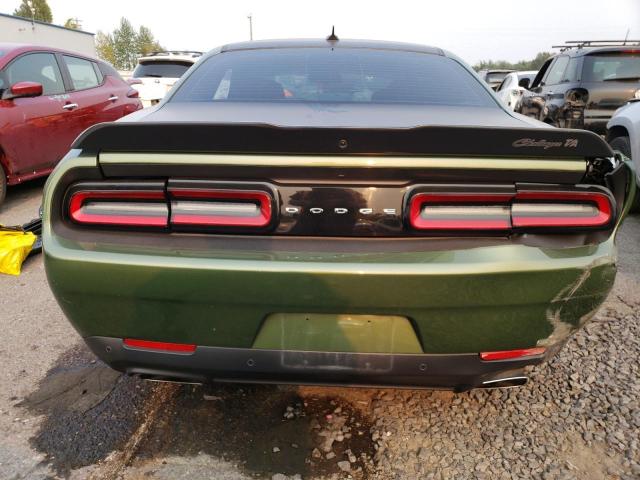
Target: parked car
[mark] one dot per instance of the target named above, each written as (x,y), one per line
(623,134)
(494,77)
(513,87)
(47,98)
(157,72)
(584,84)
(338,212)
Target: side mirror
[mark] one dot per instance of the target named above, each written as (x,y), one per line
(23,89)
(524,83)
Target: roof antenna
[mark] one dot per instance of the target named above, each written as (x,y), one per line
(333,37)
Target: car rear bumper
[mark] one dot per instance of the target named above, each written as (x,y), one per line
(457,372)
(467,300)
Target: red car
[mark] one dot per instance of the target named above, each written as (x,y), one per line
(47,98)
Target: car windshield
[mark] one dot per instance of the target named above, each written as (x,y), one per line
(344,75)
(611,67)
(161,69)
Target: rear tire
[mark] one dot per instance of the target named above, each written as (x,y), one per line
(623,145)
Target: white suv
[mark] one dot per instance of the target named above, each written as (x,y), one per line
(513,87)
(157,72)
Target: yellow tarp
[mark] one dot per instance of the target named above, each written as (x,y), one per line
(15,245)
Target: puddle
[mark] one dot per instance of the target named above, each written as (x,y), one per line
(263,429)
(89,410)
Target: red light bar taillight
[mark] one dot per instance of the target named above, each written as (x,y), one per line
(141,208)
(181,205)
(511,354)
(561,209)
(220,208)
(507,211)
(159,346)
(459,211)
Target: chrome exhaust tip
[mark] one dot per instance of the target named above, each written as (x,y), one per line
(166,379)
(507,382)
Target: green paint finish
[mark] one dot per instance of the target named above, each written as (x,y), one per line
(459,301)
(338,333)
(484,301)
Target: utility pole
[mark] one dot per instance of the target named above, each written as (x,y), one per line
(250,27)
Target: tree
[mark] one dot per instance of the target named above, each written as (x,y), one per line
(147,42)
(533,64)
(124,45)
(35,9)
(73,23)
(104,47)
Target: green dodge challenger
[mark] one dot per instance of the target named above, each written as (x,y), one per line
(332,212)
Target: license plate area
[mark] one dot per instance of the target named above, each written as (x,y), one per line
(316,332)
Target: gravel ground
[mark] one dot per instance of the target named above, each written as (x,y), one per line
(578,418)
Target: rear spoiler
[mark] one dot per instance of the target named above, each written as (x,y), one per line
(263,138)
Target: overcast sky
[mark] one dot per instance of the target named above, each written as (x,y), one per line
(473,29)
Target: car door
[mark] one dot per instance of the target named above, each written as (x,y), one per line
(35,136)
(91,102)
(552,89)
(533,101)
(504,89)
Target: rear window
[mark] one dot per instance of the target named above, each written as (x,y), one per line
(82,72)
(344,75)
(528,76)
(108,70)
(496,77)
(161,69)
(611,67)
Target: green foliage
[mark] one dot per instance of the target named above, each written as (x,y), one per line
(104,47)
(35,9)
(534,64)
(147,42)
(124,45)
(73,23)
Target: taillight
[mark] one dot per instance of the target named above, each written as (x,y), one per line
(220,208)
(140,208)
(159,346)
(184,205)
(561,209)
(577,96)
(459,211)
(511,354)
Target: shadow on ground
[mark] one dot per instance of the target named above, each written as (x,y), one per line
(91,411)
(263,429)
